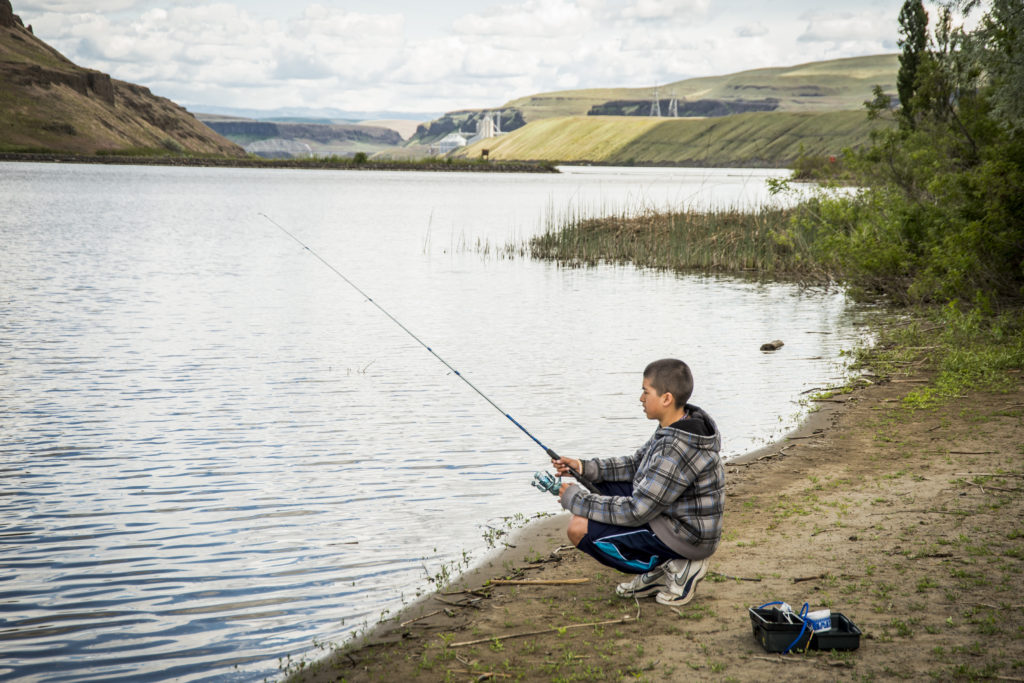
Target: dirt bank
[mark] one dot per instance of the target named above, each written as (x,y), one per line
(910,523)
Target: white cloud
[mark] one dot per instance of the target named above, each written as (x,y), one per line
(755,30)
(355,54)
(665,9)
(844,27)
(532,18)
(64,6)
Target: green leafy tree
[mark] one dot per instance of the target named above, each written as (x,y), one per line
(913,43)
(941,215)
(998,45)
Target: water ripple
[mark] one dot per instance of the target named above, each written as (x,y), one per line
(213,452)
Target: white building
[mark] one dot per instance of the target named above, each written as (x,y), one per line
(488,126)
(451,142)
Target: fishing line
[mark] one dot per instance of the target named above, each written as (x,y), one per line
(554,456)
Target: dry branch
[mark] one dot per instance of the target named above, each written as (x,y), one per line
(623,620)
(535,582)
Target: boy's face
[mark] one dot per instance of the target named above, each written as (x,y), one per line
(656,406)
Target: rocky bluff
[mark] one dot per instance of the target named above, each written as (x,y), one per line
(86,82)
(55,105)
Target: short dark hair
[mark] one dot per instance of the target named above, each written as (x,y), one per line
(673,376)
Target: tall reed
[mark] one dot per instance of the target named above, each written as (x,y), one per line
(765,240)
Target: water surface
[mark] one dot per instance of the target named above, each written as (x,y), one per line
(214,451)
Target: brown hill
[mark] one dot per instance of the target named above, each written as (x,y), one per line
(48,103)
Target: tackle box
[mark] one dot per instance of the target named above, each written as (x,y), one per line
(779,631)
(844,635)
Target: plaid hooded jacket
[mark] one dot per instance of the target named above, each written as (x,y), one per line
(678,488)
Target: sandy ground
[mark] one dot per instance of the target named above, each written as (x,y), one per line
(907,522)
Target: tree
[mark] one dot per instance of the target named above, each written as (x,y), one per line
(941,213)
(1000,40)
(913,43)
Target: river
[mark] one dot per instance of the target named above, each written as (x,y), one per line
(214,451)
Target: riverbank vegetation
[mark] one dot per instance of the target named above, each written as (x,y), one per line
(725,240)
(937,223)
(161,157)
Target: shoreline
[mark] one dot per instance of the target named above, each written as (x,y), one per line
(863,508)
(299,164)
(521,544)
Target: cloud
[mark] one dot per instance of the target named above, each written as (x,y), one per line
(262,54)
(64,6)
(530,19)
(751,30)
(323,22)
(665,9)
(846,27)
(291,65)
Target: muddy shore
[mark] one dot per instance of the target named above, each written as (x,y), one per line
(910,523)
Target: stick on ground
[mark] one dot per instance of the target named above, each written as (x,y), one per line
(508,636)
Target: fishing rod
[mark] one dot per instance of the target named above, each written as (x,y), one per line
(544,481)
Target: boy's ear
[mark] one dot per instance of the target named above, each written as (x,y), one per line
(667,399)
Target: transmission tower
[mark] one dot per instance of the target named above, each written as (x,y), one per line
(673,106)
(656,104)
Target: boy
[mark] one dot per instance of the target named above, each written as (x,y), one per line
(661,513)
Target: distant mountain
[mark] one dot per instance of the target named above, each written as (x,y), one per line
(286,139)
(311,114)
(50,104)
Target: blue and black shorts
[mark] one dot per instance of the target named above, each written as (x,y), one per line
(630,549)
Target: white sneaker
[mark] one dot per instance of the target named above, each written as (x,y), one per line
(642,584)
(681,579)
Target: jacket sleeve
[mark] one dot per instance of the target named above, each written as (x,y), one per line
(660,483)
(621,468)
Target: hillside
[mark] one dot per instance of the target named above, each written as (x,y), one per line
(768,139)
(840,84)
(47,103)
(763,117)
(464,121)
(275,138)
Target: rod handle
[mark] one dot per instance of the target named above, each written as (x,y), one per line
(578,476)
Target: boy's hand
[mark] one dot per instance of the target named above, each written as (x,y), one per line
(563,488)
(563,464)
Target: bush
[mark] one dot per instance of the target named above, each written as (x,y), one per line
(941,215)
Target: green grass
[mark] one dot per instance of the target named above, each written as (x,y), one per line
(727,240)
(968,347)
(762,139)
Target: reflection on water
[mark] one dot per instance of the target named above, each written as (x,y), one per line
(213,451)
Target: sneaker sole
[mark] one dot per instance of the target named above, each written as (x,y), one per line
(666,598)
(639,593)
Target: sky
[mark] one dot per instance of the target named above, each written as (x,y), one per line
(415,56)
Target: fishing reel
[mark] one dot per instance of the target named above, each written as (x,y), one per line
(545,481)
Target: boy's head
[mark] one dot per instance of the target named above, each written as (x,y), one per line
(672,376)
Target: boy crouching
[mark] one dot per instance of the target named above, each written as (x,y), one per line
(659,511)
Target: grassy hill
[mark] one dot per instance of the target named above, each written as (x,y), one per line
(814,108)
(817,86)
(764,139)
(47,103)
